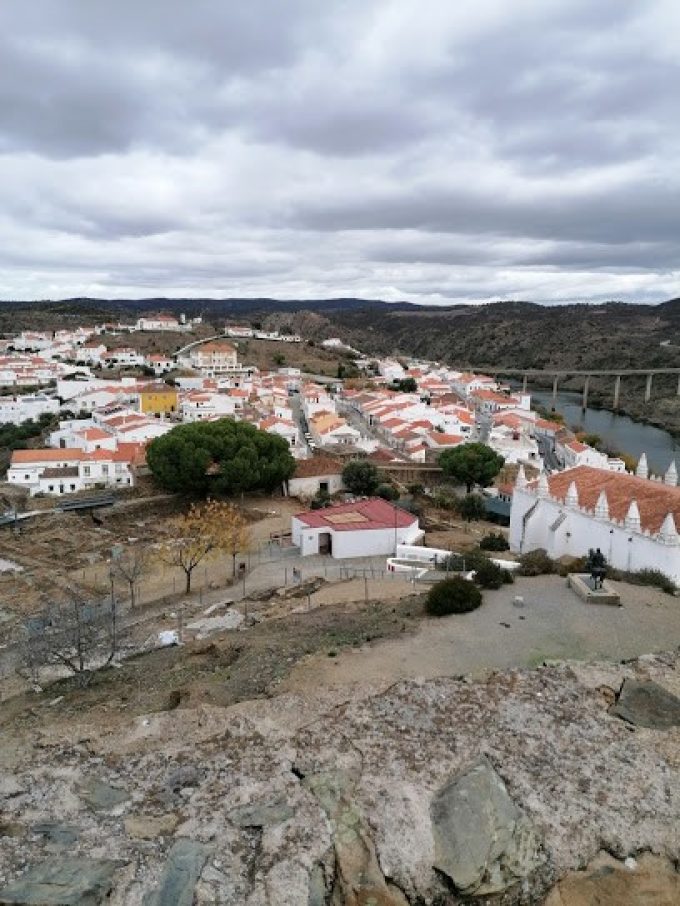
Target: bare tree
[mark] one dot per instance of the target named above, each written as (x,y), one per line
(77,634)
(130,565)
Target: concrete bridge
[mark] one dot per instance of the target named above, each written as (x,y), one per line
(564,373)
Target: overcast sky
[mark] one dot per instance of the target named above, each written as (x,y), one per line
(434,151)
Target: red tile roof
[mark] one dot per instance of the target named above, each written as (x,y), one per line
(654,499)
(363,515)
(317,465)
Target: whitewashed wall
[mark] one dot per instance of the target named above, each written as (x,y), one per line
(580,531)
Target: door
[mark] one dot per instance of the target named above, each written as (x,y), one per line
(325,543)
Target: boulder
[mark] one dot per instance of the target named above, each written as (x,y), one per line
(484,843)
(62,882)
(606,882)
(646,704)
(180,875)
(359,880)
(262,815)
(61,834)
(100,796)
(145,827)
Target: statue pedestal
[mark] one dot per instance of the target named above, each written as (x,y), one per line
(581,584)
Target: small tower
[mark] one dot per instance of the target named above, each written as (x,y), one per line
(668,532)
(642,470)
(521,480)
(602,506)
(671,476)
(632,520)
(571,498)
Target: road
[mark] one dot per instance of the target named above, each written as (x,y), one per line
(550,460)
(357,420)
(299,417)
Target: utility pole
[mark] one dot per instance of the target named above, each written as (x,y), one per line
(114,627)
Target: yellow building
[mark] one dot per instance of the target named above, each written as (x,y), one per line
(158,399)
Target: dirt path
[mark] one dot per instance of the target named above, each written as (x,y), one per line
(552,625)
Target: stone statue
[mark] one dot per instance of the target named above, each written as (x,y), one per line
(597,567)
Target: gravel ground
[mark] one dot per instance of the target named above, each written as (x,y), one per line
(553,624)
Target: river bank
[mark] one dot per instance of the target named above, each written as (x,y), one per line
(619,431)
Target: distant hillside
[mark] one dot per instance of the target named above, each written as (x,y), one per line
(518,334)
(525,335)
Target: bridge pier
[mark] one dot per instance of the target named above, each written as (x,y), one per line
(648,388)
(617,390)
(554,394)
(584,399)
(525,380)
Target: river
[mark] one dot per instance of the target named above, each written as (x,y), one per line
(619,432)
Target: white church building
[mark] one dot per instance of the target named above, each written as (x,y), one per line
(631,518)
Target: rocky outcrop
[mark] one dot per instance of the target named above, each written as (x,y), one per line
(646,704)
(446,791)
(483,842)
(62,882)
(649,881)
(178,881)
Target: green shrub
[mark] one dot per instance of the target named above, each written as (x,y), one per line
(653,577)
(445,500)
(536,563)
(320,501)
(489,575)
(387,492)
(495,541)
(475,559)
(455,595)
(415,488)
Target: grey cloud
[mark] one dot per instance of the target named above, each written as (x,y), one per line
(443,152)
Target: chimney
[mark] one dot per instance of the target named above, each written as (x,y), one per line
(543,487)
(671,476)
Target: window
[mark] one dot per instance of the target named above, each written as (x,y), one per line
(27,477)
(105,470)
(50,487)
(73,487)
(86,470)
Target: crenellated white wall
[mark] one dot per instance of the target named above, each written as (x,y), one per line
(564,530)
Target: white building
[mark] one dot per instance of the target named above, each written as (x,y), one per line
(575,453)
(159,364)
(203,405)
(123,356)
(158,322)
(90,353)
(18,409)
(631,518)
(367,528)
(318,474)
(67,471)
(213,358)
